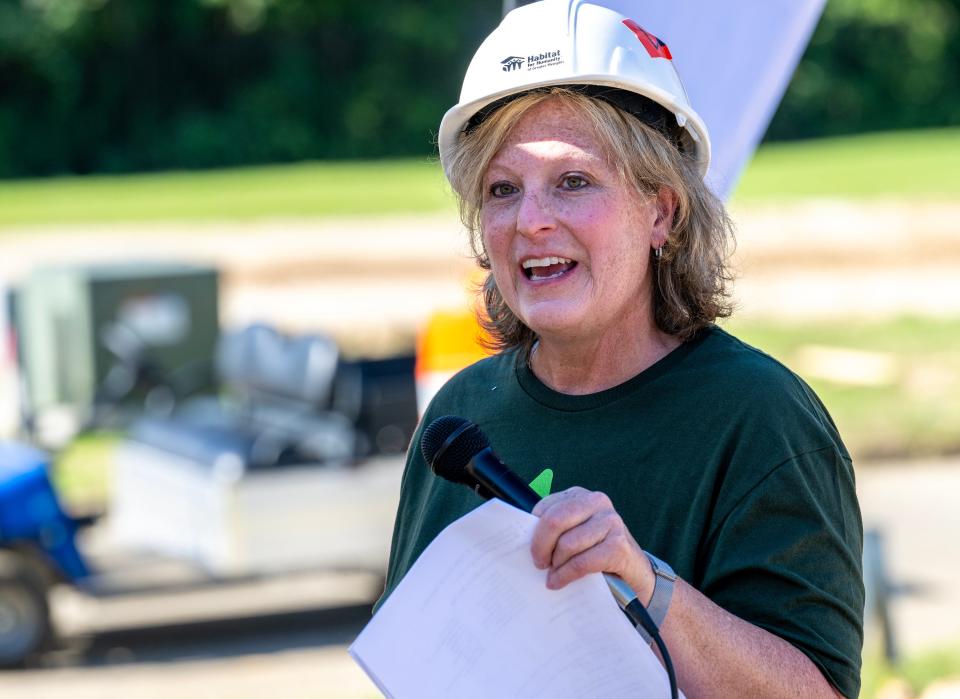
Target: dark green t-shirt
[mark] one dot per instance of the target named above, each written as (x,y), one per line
(720,461)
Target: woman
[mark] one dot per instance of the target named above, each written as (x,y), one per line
(674,446)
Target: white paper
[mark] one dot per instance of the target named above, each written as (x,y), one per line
(474,618)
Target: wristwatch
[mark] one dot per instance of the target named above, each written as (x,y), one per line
(662,592)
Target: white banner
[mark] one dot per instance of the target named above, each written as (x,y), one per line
(736,59)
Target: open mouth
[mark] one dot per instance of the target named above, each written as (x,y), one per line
(541,268)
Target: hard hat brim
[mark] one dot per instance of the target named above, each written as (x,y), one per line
(455,121)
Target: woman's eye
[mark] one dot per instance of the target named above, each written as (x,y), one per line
(502,189)
(574,182)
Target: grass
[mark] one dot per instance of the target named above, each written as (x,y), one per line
(900,164)
(82,472)
(301,190)
(910,407)
(918,672)
(903,164)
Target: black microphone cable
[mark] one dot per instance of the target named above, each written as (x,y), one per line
(457,450)
(638,613)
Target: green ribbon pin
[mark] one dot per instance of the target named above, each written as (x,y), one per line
(541,484)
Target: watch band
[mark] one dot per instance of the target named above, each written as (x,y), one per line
(662,592)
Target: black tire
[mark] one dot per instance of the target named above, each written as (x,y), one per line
(24,614)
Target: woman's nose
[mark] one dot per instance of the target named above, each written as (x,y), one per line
(535,214)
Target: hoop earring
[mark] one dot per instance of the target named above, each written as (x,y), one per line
(658,270)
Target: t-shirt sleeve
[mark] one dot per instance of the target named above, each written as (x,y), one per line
(400,554)
(787,557)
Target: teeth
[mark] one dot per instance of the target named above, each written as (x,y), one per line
(545,262)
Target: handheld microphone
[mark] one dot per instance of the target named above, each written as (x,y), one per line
(457,450)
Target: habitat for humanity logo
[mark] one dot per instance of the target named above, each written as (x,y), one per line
(534,62)
(511,63)
(542,60)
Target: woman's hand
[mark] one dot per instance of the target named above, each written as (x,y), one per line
(715,652)
(580,532)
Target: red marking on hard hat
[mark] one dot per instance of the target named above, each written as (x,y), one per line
(653,45)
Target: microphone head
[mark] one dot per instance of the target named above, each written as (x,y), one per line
(448,444)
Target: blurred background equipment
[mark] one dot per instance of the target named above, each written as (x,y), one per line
(238,455)
(275,474)
(450,340)
(95,341)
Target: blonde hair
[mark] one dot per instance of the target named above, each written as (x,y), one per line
(692,273)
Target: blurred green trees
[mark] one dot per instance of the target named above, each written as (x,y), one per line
(876,65)
(123,85)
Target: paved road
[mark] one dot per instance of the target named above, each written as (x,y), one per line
(300,657)
(303,656)
(256,653)
(916,507)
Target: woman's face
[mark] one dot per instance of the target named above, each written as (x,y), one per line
(569,242)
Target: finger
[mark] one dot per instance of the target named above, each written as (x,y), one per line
(618,553)
(587,535)
(597,559)
(554,522)
(561,515)
(553,499)
(558,512)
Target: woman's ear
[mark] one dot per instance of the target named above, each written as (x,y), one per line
(666,208)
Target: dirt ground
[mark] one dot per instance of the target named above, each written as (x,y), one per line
(371,281)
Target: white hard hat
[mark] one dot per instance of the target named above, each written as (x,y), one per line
(576,43)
